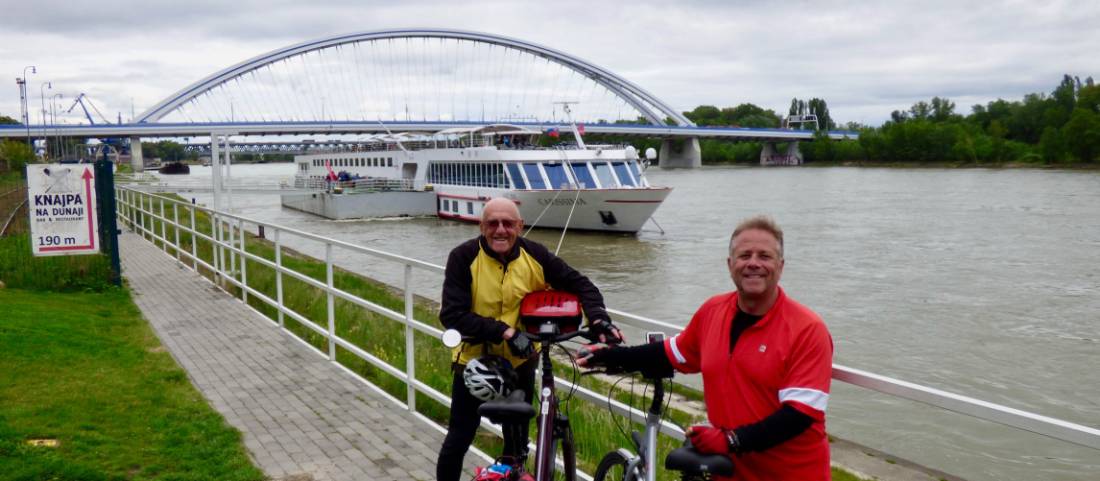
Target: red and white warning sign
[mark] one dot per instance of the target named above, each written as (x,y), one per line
(61,203)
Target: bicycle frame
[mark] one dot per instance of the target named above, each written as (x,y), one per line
(549,423)
(646,444)
(548,412)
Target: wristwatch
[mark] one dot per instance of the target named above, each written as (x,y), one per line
(732,443)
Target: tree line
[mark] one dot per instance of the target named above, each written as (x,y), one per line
(1061,127)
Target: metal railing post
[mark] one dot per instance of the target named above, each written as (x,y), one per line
(163,227)
(131,211)
(194,241)
(244,260)
(147,221)
(216,246)
(331,303)
(410,351)
(176,227)
(232,246)
(279,277)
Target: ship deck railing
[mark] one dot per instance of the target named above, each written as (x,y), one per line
(373,184)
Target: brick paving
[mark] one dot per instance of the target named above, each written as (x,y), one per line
(302,417)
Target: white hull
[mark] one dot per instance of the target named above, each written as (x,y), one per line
(613,210)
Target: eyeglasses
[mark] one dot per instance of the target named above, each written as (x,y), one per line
(495,223)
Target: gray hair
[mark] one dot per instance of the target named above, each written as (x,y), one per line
(761,222)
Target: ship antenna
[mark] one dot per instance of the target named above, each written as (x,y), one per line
(573,125)
(395,139)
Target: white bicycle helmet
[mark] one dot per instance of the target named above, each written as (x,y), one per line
(489,378)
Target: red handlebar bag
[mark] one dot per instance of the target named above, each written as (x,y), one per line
(561,308)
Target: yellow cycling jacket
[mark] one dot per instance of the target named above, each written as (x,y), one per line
(482,293)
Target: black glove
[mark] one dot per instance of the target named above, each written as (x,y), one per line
(521,345)
(604,327)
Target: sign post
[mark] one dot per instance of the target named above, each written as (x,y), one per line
(108,214)
(61,203)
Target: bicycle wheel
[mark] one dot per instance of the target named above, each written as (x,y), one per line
(612,467)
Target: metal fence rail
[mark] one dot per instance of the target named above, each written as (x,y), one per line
(137,209)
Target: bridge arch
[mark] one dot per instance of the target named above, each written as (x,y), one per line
(246,84)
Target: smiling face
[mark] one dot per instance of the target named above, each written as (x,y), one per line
(756,264)
(501,225)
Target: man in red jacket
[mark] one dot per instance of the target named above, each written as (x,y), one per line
(766,362)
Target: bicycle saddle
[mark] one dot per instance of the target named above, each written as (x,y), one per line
(690,461)
(512,409)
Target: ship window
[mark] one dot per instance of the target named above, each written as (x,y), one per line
(583,175)
(556,173)
(389,162)
(470,208)
(445,204)
(637,173)
(534,176)
(624,176)
(603,172)
(517,179)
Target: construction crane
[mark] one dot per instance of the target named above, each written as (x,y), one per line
(118,144)
(84,106)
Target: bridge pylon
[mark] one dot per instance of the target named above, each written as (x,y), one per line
(136,161)
(769,155)
(680,153)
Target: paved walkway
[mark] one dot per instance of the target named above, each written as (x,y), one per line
(302,417)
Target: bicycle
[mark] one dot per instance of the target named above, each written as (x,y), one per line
(552,317)
(623,465)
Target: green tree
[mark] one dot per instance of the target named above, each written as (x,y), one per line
(1052,147)
(5,120)
(920,111)
(942,109)
(1089,98)
(15,155)
(1065,95)
(750,115)
(1082,134)
(704,115)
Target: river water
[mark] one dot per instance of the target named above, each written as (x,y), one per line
(978,282)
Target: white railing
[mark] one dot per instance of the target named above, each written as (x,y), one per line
(373,184)
(227,238)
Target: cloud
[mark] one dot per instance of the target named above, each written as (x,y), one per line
(864,58)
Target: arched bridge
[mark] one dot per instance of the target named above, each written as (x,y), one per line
(415,80)
(413,74)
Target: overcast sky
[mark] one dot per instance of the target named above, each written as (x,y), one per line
(864,58)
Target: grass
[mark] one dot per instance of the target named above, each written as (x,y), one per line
(596,430)
(85,369)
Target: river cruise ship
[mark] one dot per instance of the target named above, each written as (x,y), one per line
(587,187)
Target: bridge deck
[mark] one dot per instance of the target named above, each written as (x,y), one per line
(302,418)
(153,130)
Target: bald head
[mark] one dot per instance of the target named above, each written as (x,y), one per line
(500,204)
(501,225)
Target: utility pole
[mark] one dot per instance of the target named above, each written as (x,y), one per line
(24,108)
